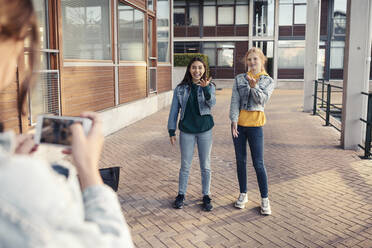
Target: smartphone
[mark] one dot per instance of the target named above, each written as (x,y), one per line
(56,129)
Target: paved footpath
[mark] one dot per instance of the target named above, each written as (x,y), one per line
(321,195)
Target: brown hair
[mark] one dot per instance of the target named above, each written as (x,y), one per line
(260,54)
(18,22)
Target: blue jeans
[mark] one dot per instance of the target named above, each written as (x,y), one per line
(187,144)
(255,137)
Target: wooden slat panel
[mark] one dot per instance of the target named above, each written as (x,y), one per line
(299,30)
(179,31)
(225,31)
(209,31)
(336,73)
(8,108)
(193,31)
(164,78)
(225,73)
(241,48)
(132,83)
(87,89)
(285,30)
(290,73)
(241,30)
(323,17)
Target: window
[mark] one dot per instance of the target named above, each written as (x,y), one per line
(337,55)
(193,16)
(339,17)
(241,14)
(291,54)
(299,14)
(292,12)
(263,19)
(163,30)
(131,21)
(86,29)
(179,16)
(210,50)
(225,15)
(285,14)
(209,16)
(225,54)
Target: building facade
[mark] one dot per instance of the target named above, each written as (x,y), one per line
(226,29)
(97,55)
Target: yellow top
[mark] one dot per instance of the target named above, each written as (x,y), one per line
(252,118)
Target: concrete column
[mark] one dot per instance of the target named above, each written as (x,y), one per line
(250,26)
(311,51)
(276,38)
(356,71)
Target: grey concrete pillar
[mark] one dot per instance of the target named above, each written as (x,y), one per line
(311,51)
(356,71)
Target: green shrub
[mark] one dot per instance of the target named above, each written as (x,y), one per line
(183,59)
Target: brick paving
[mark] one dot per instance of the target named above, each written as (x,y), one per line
(320,194)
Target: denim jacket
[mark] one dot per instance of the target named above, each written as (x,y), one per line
(180,96)
(247,98)
(40,208)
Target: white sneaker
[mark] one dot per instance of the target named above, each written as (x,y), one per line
(265,206)
(242,200)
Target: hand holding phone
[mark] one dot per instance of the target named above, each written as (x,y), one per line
(86,150)
(56,129)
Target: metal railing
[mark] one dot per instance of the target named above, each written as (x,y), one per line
(368,122)
(330,109)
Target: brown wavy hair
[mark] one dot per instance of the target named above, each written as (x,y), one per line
(18,21)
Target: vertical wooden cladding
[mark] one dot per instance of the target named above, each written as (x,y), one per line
(295,30)
(225,72)
(299,30)
(290,73)
(87,89)
(179,31)
(337,73)
(209,31)
(8,107)
(193,31)
(132,83)
(241,47)
(323,17)
(241,30)
(225,31)
(285,30)
(164,77)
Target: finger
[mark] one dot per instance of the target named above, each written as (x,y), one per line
(97,124)
(26,147)
(67,151)
(34,149)
(77,133)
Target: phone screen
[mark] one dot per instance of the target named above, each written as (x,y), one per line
(56,131)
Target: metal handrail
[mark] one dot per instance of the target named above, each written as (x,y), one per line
(368,122)
(327,101)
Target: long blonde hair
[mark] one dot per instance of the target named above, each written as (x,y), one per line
(260,54)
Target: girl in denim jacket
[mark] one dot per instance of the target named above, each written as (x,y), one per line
(194,96)
(250,93)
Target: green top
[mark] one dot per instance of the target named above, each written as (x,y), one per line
(192,121)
